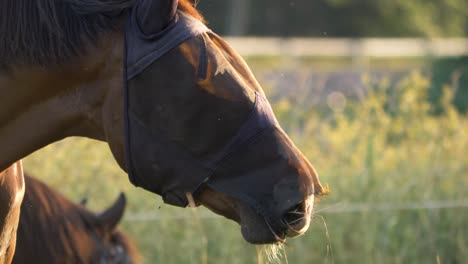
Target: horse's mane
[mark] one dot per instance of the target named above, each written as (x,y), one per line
(48,32)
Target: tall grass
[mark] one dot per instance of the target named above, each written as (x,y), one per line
(386,148)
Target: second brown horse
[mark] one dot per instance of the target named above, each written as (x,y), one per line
(53,230)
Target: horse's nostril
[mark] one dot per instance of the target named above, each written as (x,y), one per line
(295,214)
(297,219)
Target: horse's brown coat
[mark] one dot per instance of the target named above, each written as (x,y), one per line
(52,229)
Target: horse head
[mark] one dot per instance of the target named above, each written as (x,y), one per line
(112,246)
(198,123)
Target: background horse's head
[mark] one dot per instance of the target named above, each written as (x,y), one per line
(52,229)
(197,121)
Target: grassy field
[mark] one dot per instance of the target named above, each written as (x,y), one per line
(382,156)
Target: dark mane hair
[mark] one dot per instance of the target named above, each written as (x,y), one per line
(48,32)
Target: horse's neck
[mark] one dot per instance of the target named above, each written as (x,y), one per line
(28,119)
(39,106)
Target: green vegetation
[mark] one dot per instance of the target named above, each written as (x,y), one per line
(385,149)
(453,72)
(338,18)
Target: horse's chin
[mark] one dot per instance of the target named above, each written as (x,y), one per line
(255,228)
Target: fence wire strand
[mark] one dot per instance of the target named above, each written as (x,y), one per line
(339,208)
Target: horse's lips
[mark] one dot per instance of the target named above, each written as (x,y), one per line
(255,229)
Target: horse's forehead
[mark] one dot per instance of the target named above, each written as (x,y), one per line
(214,73)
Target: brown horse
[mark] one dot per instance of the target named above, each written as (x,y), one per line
(52,229)
(185,117)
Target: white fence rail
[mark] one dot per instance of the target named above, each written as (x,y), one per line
(343,47)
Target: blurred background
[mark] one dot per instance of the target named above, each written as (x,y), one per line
(374,92)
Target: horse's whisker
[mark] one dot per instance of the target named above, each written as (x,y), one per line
(297,213)
(291,228)
(279,239)
(328,207)
(297,220)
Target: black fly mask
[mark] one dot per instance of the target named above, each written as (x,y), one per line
(163,108)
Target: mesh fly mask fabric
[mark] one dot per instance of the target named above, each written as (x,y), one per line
(159,164)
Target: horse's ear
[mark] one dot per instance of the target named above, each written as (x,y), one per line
(84,201)
(109,219)
(155,15)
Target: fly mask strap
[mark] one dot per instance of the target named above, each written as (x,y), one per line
(142,50)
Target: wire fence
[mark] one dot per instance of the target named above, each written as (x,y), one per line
(338,47)
(339,208)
